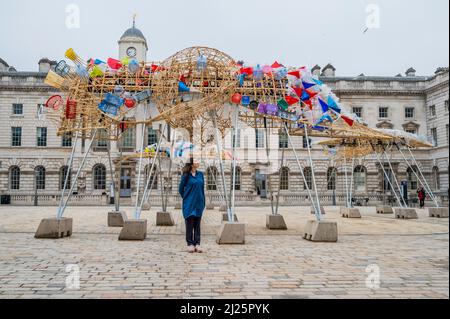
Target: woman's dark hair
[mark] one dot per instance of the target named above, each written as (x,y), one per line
(188,167)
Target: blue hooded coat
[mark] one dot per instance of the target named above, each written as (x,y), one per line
(192,190)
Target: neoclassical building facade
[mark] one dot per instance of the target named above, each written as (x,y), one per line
(33,158)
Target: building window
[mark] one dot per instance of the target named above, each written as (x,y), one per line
(331,178)
(433,110)
(17,109)
(412,178)
(238,138)
(306,142)
(211,178)
(16,136)
(434,139)
(387,178)
(66,140)
(238,182)
(40,177)
(152,136)
(411,131)
(14,178)
(128,139)
(383,112)
(41,133)
(409,113)
(308,177)
(153,176)
(102,140)
(283,141)
(359,178)
(99,174)
(284,179)
(259,138)
(62,178)
(436,179)
(358,111)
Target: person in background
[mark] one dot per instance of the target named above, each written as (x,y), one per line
(421,196)
(192,191)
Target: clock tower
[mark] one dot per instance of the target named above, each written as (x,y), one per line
(133,44)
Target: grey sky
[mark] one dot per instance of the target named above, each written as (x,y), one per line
(295,32)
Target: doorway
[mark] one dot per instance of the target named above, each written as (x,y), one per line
(261,183)
(125,182)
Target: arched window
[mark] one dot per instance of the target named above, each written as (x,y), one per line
(308,177)
(284,179)
(39,173)
(412,177)
(387,180)
(331,178)
(211,178)
(14,178)
(360,178)
(99,177)
(154,176)
(436,178)
(238,181)
(62,178)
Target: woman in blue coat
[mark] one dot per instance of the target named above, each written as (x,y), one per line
(192,190)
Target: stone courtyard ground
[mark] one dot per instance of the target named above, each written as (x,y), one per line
(412,257)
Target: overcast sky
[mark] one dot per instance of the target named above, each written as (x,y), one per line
(295,32)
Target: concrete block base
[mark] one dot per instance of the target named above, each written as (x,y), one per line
(210,207)
(134,229)
(384,210)
(225,217)
(405,213)
(164,219)
(321,231)
(54,228)
(275,222)
(146,206)
(322,210)
(439,212)
(223,208)
(231,234)
(116,219)
(350,212)
(178,206)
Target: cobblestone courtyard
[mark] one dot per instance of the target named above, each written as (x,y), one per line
(412,256)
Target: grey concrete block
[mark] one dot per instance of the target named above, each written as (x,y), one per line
(405,213)
(116,219)
(321,231)
(439,212)
(322,210)
(225,217)
(384,210)
(231,233)
(146,206)
(210,207)
(164,219)
(275,222)
(54,228)
(347,212)
(134,229)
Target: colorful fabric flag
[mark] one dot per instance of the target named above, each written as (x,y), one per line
(291,100)
(283,104)
(248,71)
(348,120)
(333,105)
(324,106)
(295,73)
(298,91)
(183,87)
(276,65)
(307,85)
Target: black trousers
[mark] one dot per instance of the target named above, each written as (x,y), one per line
(422,203)
(193,232)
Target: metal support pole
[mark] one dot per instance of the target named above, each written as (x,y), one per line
(388,179)
(279,181)
(318,215)
(116,202)
(395,179)
(66,178)
(312,172)
(222,173)
(425,185)
(140,165)
(346,183)
(77,174)
(137,213)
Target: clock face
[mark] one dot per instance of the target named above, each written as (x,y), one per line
(131,52)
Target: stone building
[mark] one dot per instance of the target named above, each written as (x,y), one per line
(33,158)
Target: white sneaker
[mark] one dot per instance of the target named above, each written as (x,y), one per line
(191,249)
(199,249)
